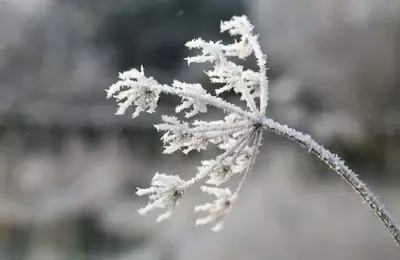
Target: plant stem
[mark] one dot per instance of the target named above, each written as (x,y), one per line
(336,164)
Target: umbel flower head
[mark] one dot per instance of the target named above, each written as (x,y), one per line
(238,134)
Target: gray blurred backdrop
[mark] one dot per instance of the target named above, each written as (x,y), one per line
(69,168)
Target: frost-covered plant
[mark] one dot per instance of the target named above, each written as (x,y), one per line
(238,135)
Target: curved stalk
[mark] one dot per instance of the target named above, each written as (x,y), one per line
(336,164)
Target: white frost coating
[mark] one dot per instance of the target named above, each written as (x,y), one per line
(216,210)
(187,102)
(237,162)
(239,134)
(133,89)
(180,136)
(165,192)
(230,151)
(240,25)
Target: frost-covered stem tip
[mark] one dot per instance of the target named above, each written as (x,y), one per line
(338,165)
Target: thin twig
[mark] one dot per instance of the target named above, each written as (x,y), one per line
(336,164)
(256,146)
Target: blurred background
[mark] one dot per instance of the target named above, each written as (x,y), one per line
(69,167)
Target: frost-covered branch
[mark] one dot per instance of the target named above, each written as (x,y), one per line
(239,134)
(240,25)
(134,88)
(338,165)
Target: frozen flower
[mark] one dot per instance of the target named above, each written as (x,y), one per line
(222,172)
(165,192)
(216,210)
(239,134)
(134,88)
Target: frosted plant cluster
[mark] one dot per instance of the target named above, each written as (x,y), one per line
(238,135)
